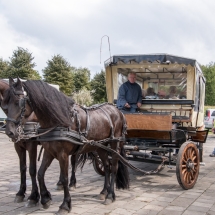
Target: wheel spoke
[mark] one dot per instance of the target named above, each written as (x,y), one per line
(185,176)
(185,156)
(188,153)
(184,170)
(189,178)
(194,158)
(192,175)
(194,169)
(184,161)
(192,153)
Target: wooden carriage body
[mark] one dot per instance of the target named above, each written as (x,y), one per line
(163,123)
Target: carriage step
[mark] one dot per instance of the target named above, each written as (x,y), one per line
(202,164)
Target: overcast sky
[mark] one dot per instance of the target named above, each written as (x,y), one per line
(74,28)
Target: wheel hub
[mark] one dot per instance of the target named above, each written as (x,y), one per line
(190,164)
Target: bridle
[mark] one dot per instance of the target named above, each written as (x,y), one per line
(22,103)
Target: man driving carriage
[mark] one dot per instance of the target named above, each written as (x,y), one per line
(129,95)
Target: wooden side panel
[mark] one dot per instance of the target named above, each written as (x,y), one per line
(200,136)
(149,122)
(158,135)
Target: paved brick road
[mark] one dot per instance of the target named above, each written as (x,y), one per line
(157,194)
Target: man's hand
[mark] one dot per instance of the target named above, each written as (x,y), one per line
(139,104)
(127,105)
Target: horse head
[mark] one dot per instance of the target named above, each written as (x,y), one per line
(17,107)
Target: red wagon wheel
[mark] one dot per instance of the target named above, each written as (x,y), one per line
(187,165)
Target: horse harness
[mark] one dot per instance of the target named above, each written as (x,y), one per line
(74,114)
(22,103)
(75,137)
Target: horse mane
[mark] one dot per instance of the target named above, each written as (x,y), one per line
(48,103)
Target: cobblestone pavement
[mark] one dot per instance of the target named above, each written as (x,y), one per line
(152,194)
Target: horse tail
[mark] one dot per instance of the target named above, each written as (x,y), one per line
(122,175)
(83,158)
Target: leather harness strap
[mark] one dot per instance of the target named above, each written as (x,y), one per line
(88,123)
(110,121)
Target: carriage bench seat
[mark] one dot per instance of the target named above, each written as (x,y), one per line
(149,121)
(151,126)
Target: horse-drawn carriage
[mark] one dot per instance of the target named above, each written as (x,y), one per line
(165,128)
(163,124)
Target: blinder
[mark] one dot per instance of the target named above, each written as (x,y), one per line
(22,102)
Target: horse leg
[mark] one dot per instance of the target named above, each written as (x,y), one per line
(35,196)
(110,197)
(22,165)
(45,194)
(104,158)
(59,185)
(119,173)
(72,184)
(66,206)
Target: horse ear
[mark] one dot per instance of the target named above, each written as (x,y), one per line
(19,83)
(11,81)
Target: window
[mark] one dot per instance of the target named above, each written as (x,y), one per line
(159,85)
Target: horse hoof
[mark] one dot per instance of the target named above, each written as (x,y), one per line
(62,212)
(108,201)
(19,199)
(59,187)
(102,196)
(30,204)
(47,204)
(72,188)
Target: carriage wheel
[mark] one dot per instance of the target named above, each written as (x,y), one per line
(187,165)
(98,166)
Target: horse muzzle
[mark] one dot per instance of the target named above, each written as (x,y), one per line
(11,130)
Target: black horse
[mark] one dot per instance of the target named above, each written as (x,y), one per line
(21,147)
(30,145)
(52,109)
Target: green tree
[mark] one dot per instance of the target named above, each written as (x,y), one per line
(59,71)
(4,65)
(98,87)
(81,78)
(21,65)
(83,97)
(209,73)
